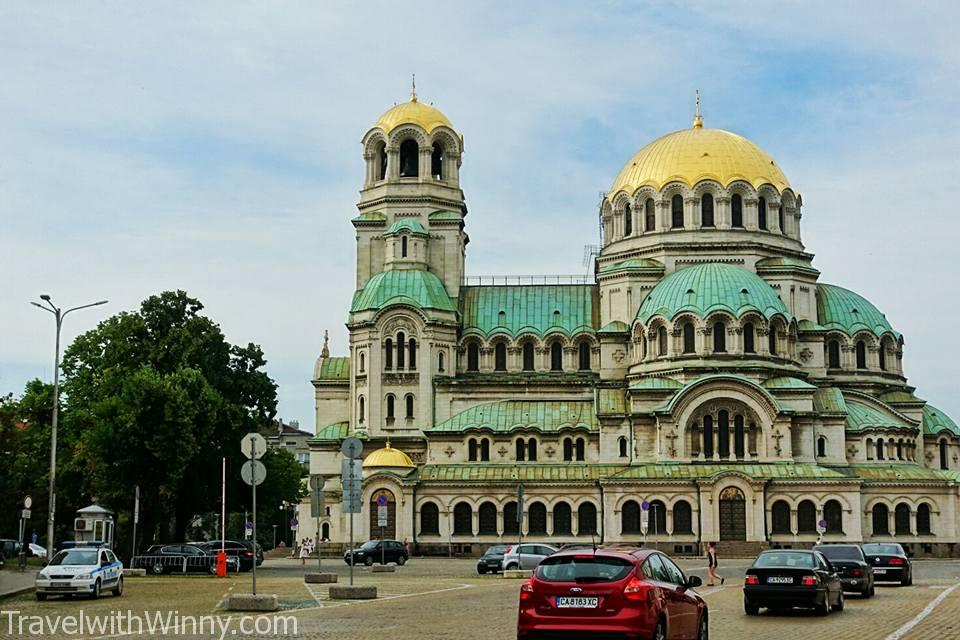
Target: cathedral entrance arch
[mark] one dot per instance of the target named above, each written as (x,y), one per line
(389,531)
(733,514)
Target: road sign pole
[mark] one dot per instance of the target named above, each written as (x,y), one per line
(253,451)
(353,556)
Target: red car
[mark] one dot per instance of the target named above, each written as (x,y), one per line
(638,593)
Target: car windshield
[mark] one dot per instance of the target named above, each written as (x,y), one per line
(785,559)
(838,552)
(585,568)
(496,550)
(885,549)
(372,544)
(76,556)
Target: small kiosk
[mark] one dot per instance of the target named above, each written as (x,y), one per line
(94,523)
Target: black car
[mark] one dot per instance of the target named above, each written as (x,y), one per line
(856,574)
(787,578)
(181,558)
(382,551)
(890,562)
(492,559)
(243,550)
(9,547)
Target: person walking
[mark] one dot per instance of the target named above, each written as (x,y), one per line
(304,551)
(712,564)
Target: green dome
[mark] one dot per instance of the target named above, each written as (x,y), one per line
(849,312)
(403,286)
(408,225)
(705,288)
(935,421)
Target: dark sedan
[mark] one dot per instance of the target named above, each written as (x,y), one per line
(382,551)
(787,578)
(243,550)
(856,574)
(890,563)
(181,558)
(492,559)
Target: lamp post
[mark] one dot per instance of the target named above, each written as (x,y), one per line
(59,314)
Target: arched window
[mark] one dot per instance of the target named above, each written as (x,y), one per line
(676,210)
(881,520)
(401,344)
(325,530)
(719,337)
(429,519)
(580,449)
(586,519)
(821,447)
(723,434)
(532,450)
(869,449)
(440,363)
(880,449)
(473,357)
(623,447)
(748,334)
(362,409)
(780,515)
(944,462)
(388,353)
(436,161)
(708,436)
(738,437)
(899,449)
(882,355)
(762,213)
(391,401)
(584,356)
(630,517)
(736,211)
(662,341)
(562,519)
(510,523)
(689,338)
(568,449)
(537,515)
(487,516)
(833,354)
(485,450)
(627,220)
(861,354)
(772,340)
(409,401)
(363,362)
(658,518)
(462,520)
(500,357)
(521,449)
(381,160)
(923,519)
(528,356)
(780,220)
(409,162)
(806,517)
(472,450)
(833,515)
(706,210)
(901,519)
(650,215)
(403,246)
(413,355)
(556,357)
(682,518)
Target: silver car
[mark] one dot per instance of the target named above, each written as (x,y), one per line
(526,555)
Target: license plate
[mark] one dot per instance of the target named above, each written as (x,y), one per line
(879,570)
(578,603)
(779,580)
(59,584)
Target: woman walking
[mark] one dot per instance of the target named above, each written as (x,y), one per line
(304,551)
(712,564)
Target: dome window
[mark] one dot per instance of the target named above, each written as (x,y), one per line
(500,357)
(556,357)
(502,318)
(584,356)
(744,292)
(409,163)
(748,335)
(650,215)
(736,211)
(689,338)
(381,158)
(833,354)
(473,357)
(627,220)
(676,208)
(403,247)
(706,210)
(719,337)
(436,162)
(861,354)
(762,213)
(662,341)
(528,356)
(781,220)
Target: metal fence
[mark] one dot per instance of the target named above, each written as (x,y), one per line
(474,281)
(180,564)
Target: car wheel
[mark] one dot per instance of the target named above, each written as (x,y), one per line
(823,609)
(866,592)
(481,570)
(213,569)
(41,596)
(839,605)
(660,632)
(96,591)
(750,609)
(401,561)
(157,569)
(704,632)
(118,590)
(368,561)
(510,567)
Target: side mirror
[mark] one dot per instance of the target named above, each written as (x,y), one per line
(693,581)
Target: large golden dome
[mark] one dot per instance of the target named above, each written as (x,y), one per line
(413,112)
(696,154)
(388,457)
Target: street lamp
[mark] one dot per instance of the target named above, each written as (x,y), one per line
(59,314)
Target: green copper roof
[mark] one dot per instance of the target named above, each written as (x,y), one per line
(633,264)
(935,421)
(406,224)
(786,382)
(785,263)
(893,472)
(445,215)
(713,377)
(861,417)
(660,471)
(511,415)
(370,216)
(900,397)
(611,402)
(705,288)
(336,431)
(402,286)
(809,325)
(656,384)
(829,400)
(615,327)
(335,369)
(844,310)
(539,309)
(566,472)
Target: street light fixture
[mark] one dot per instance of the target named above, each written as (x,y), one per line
(59,314)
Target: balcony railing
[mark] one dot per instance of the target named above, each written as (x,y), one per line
(510,280)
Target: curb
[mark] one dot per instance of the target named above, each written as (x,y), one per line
(16,592)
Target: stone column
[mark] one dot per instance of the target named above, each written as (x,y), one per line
(721,213)
(393,163)
(425,158)
(690,218)
(369,175)
(773,217)
(750,214)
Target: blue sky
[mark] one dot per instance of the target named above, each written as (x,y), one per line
(215,147)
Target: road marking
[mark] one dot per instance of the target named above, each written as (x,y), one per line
(899,633)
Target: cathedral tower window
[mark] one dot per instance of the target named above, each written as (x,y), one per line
(676,211)
(388,353)
(689,338)
(403,247)
(861,354)
(401,348)
(584,356)
(708,437)
(413,354)
(528,356)
(833,354)
(821,447)
(436,161)
(409,162)
(580,449)
(944,462)
(361,409)
(833,514)
(723,434)
(736,211)
(627,220)
(391,407)
(440,362)
(532,450)
(706,210)
(781,220)
(521,449)
(484,450)
(719,337)
(880,450)
(556,357)
(748,337)
(650,215)
(500,357)
(662,341)
(882,354)
(772,339)
(381,160)
(762,213)
(567,449)
(739,450)
(472,450)
(363,361)
(473,357)
(623,446)
(409,403)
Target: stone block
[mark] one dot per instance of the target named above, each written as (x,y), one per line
(354,592)
(251,602)
(319,578)
(384,568)
(134,573)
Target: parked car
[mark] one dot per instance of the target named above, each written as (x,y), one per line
(243,550)
(637,594)
(36,550)
(383,551)
(890,562)
(81,571)
(492,559)
(526,556)
(856,574)
(177,558)
(787,578)
(9,547)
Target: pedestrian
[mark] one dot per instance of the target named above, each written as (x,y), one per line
(304,551)
(712,564)
(406,547)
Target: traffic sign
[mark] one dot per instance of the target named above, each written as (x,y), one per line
(247,471)
(249,525)
(253,445)
(644,520)
(822,526)
(351,448)
(25,514)
(381,500)
(294,522)
(316,497)
(382,516)
(351,478)
(27,502)
(645,505)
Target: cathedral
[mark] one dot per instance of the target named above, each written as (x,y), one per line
(703,384)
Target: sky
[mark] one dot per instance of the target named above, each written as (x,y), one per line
(214,147)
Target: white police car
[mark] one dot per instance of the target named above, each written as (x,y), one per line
(81,571)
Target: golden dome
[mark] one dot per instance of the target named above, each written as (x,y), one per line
(696,154)
(388,457)
(413,112)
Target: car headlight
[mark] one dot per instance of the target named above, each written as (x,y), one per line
(83,576)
